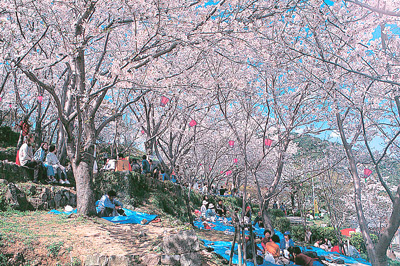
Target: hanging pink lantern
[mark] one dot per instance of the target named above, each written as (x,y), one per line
(192,123)
(235,160)
(228,172)
(210,168)
(10,105)
(221,172)
(164,101)
(367,172)
(268,142)
(142,132)
(40,98)
(1,99)
(231,143)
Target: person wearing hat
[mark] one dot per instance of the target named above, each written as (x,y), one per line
(210,213)
(203,208)
(287,241)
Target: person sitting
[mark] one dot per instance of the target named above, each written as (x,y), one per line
(320,244)
(40,155)
(109,206)
(258,220)
(210,213)
(247,215)
(111,164)
(272,247)
(301,259)
(287,241)
(164,176)
(26,158)
(203,208)
(135,166)
(266,238)
(221,209)
(328,243)
(52,160)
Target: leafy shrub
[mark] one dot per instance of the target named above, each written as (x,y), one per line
(393,262)
(8,137)
(276,213)
(298,232)
(282,224)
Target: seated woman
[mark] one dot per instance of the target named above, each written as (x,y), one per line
(108,206)
(210,213)
(52,160)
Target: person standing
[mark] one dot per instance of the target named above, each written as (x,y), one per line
(26,157)
(145,165)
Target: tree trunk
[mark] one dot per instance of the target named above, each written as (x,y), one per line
(357,190)
(83,173)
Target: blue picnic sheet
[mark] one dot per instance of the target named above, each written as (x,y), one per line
(223,249)
(334,255)
(220,226)
(131,217)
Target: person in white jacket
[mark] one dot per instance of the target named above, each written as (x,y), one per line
(51,159)
(26,157)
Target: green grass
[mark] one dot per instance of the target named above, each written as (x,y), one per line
(54,248)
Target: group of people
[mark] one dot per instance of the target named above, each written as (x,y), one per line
(147,167)
(282,251)
(44,162)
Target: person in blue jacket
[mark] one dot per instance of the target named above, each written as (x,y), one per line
(287,241)
(108,206)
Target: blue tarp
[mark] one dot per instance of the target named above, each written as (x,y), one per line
(334,255)
(131,217)
(219,226)
(223,248)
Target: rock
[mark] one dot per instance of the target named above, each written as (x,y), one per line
(15,173)
(113,260)
(33,190)
(181,243)
(151,259)
(170,259)
(17,199)
(3,181)
(191,259)
(57,199)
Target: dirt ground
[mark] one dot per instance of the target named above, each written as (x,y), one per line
(48,239)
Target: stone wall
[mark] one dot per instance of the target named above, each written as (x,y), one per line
(27,196)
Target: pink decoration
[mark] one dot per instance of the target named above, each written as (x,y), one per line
(235,160)
(40,98)
(268,142)
(1,99)
(10,105)
(210,168)
(231,143)
(142,132)
(221,172)
(164,101)
(192,123)
(228,172)
(367,172)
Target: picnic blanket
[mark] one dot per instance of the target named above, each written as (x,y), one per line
(330,256)
(229,229)
(223,248)
(131,217)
